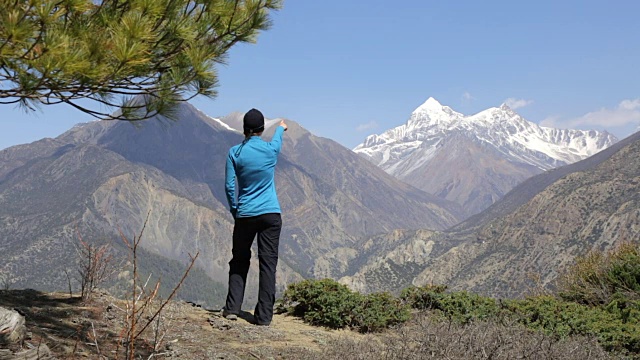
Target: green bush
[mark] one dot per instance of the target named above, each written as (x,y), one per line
(424,297)
(599,278)
(320,302)
(616,326)
(461,306)
(328,303)
(624,270)
(378,311)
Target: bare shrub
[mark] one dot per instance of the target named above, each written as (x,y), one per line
(95,266)
(426,338)
(66,273)
(144,308)
(160,328)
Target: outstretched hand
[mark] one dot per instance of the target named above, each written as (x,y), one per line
(284,125)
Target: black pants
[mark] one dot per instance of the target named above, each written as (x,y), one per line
(267,227)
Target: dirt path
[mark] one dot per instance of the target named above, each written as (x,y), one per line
(207,334)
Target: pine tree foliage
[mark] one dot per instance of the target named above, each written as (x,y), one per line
(141,56)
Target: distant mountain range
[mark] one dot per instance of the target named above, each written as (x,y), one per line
(524,240)
(475,160)
(344,217)
(102,177)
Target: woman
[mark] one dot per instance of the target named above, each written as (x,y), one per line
(257,212)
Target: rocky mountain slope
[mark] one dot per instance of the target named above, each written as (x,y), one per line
(100,178)
(475,160)
(523,240)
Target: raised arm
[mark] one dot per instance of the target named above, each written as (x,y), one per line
(276,141)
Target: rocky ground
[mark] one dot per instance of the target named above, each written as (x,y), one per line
(72,328)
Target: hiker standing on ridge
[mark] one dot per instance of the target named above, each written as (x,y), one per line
(256,212)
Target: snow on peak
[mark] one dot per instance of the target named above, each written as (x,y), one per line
(430,104)
(434,107)
(221,123)
(495,115)
(499,127)
(432,114)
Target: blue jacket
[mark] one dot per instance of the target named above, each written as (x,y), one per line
(253,163)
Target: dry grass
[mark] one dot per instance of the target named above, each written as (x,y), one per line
(425,338)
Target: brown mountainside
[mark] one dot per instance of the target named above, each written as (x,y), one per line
(534,232)
(105,176)
(470,173)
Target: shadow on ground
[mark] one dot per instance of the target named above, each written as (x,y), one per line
(64,323)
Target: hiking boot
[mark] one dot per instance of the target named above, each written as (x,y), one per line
(227,315)
(256,322)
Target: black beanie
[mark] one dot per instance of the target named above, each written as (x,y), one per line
(253,122)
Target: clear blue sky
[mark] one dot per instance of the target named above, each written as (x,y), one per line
(345,69)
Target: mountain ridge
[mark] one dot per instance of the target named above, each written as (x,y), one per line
(524,240)
(513,150)
(102,177)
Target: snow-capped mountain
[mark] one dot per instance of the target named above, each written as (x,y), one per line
(475,160)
